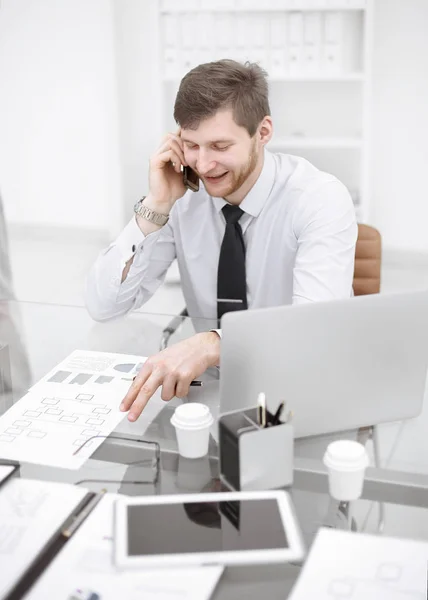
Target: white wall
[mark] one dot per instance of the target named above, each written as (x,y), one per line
(79,113)
(136,42)
(58,114)
(400,123)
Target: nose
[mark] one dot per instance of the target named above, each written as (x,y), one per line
(204,163)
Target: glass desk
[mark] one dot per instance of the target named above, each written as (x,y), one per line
(35,337)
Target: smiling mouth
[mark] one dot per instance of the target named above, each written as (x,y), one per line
(216,178)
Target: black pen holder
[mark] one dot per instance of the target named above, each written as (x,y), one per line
(254,457)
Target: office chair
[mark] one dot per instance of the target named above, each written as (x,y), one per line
(368,255)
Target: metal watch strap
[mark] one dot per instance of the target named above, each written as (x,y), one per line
(149,214)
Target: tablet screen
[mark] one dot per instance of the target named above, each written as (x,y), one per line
(253,524)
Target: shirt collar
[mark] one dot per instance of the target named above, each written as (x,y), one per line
(259,193)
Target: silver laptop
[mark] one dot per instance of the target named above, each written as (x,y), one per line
(339,365)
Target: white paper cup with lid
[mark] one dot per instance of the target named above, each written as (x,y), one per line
(192,422)
(346,462)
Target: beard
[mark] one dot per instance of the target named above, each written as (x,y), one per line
(238,177)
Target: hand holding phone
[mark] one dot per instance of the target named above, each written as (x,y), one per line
(165,174)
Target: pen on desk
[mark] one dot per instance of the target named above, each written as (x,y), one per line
(261,409)
(80,517)
(278,413)
(54,545)
(194,383)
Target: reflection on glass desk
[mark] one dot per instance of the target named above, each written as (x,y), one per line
(395,496)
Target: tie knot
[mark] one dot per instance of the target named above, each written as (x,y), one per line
(232,214)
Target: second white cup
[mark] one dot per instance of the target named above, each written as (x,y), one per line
(346,462)
(192,422)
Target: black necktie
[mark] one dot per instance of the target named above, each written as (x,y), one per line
(231,281)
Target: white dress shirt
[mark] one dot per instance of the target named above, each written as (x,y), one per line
(299,230)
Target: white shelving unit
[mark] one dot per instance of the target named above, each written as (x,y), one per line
(320,142)
(317,55)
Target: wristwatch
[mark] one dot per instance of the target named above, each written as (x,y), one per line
(149,214)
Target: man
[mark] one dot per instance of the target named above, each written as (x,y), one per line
(263,230)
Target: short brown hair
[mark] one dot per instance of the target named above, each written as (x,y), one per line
(220,85)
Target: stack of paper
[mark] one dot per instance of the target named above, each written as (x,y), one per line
(363,567)
(76,401)
(86,562)
(30,512)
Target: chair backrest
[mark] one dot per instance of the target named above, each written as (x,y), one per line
(368,259)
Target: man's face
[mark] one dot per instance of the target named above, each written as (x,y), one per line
(221,152)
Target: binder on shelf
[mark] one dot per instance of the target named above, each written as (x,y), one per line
(278,38)
(188,25)
(187,58)
(204,38)
(170,31)
(295,45)
(333,42)
(224,34)
(257,34)
(312,42)
(241,52)
(241,31)
(170,53)
(170,63)
(278,30)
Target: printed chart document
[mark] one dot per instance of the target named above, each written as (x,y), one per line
(86,562)
(77,400)
(30,512)
(359,566)
(103,369)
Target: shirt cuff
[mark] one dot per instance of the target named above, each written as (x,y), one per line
(131,240)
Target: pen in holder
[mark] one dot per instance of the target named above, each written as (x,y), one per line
(255,453)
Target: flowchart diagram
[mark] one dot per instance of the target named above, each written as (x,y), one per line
(50,427)
(57,418)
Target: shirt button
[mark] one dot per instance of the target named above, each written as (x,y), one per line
(133,248)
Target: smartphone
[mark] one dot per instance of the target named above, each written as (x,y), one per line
(190,179)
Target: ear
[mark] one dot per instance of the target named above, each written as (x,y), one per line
(265,130)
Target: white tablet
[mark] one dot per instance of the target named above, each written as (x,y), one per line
(227,528)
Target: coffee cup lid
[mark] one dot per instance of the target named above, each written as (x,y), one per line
(346,455)
(192,415)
